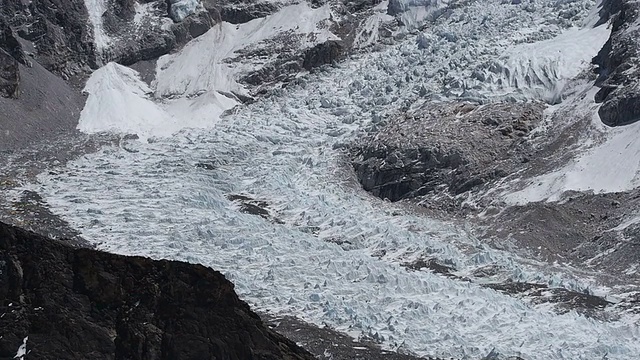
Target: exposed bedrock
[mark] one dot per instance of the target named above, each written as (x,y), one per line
(239,11)
(84,304)
(11,55)
(619,64)
(57,29)
(9,76)
(448,146)
(324,53)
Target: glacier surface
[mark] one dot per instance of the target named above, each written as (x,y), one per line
(328,252)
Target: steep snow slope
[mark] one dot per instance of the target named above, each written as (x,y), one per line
(542,69)
(322,248)
(196,85)
(607,165)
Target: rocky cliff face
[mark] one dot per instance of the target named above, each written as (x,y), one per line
(11,55)
(67,42)
(619,68)
(58,31)
(67,303)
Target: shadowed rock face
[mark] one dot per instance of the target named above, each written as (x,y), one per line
(325,53)
(618,63)
(85,304)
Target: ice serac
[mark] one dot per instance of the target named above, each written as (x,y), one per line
(180,9)
(412,13)
(542,69)
(75,303)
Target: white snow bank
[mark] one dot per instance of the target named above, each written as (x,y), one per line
(204,64)
(611,166)
(119,102)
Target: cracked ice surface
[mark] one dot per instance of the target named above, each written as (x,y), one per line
(150,198)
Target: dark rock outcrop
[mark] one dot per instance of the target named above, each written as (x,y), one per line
(85,304)
(58,31)
(10,44)
(9,75)
(11,54)
(619,67)
(325,53)
(239,11)
(453,147)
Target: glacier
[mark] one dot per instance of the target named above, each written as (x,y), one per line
(329,252)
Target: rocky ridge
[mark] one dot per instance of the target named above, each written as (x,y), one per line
(69,303)
(619,69)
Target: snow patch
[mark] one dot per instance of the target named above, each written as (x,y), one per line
(22,350)
(122,103)
(611,166)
